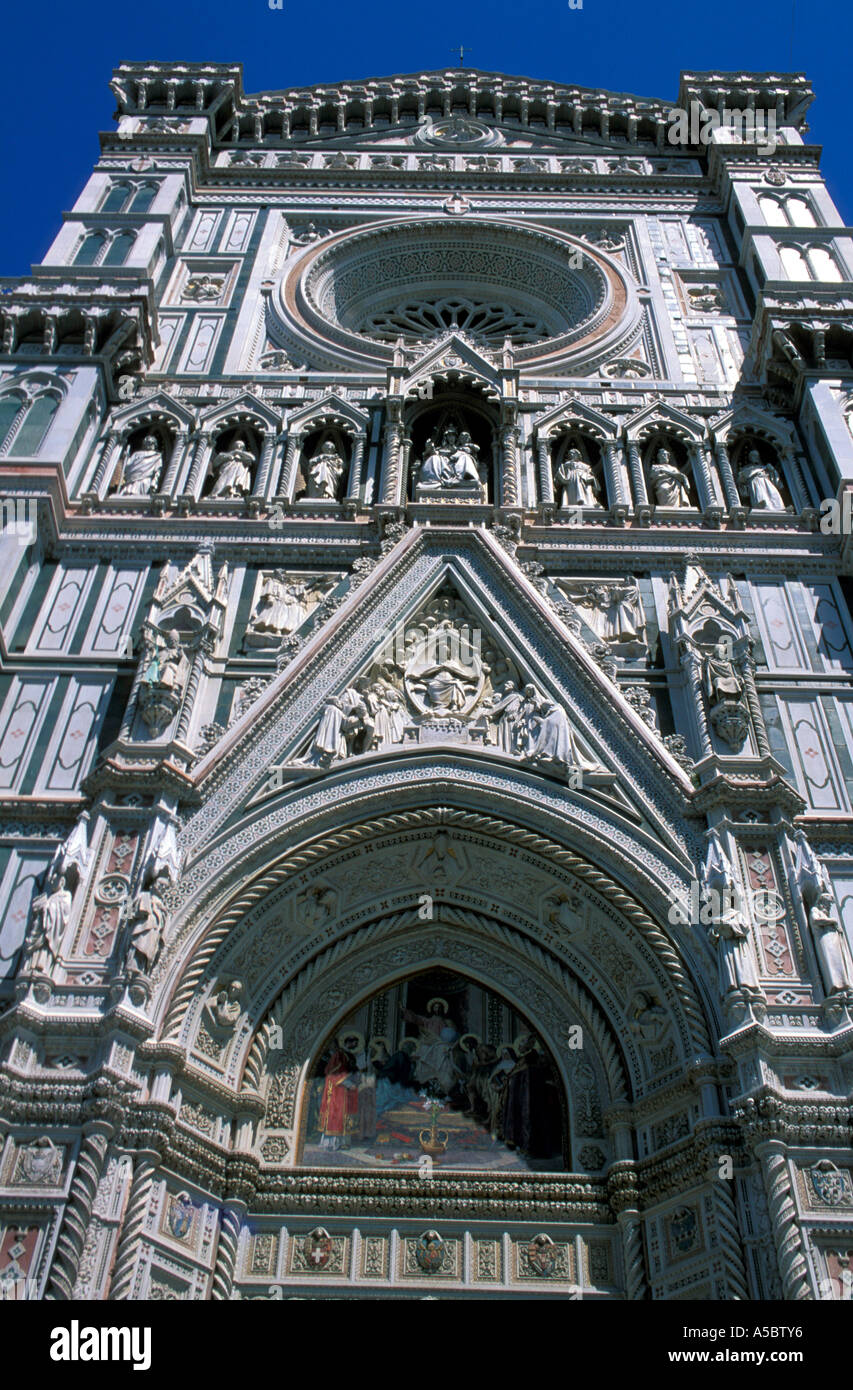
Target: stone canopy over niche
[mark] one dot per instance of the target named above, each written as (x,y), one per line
(438,1066)
(353,295)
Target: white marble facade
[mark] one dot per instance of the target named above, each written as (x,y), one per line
(425,588)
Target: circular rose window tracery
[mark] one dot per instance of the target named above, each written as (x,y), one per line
(349,297)
(418,320)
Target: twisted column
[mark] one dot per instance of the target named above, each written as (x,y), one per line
(754,707)
(692,663)
(727,477)
(230,1225)
(199,459)
(546,477)
(731,1245)
(509,466)
(285,482)
(267,451)
(613,473)
(393,446)
(112,443)
(632,1250)
(355,467)
(783,1220)
(175,460)
(635,468)
(133,1224)
(78,1214)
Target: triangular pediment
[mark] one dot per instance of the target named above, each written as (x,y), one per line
(576,413)
(312,722)
(661,413)
(453,359)
(330,411)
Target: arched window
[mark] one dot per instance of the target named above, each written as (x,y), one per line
(143,198)
(823,263)
(10,408)
(116,198)
(774,213)
(800,213)
(119,249)
(794,263)
(90,249)
(30,436)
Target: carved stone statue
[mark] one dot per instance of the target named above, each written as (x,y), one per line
(233,469)
(759,482)
(224,1009)
(504,710)
(142,470)
(148,919)
(830,944)
(670,484)
(578,484)
(281,607)
(729,931)
(343,719)
(51,911)
(324,473)
(451,464)
(165,671)
(724,690)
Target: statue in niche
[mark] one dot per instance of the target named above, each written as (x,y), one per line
(148,918)
(577,482)
(830,945)
(233,470)
(670,484)
(165,671)
(721,680)
(759,482)
(281,608)
(451,463)
(729,931)
(142,470)
(51,911)
(324,473)
(724,690)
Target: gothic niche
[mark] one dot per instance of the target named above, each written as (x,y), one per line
(759,481)
(323,467)
(435,1067)
(142,461)
(451,452)
(578,473)
(669,475)
(232,464)
(723,684)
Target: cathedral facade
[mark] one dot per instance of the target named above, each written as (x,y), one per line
(425,704)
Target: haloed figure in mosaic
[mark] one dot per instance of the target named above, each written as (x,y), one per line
(372,1096)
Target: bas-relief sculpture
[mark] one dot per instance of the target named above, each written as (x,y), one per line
(443,688)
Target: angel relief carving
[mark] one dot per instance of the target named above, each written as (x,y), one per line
(437,681)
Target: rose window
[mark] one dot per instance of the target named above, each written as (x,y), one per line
(421,319)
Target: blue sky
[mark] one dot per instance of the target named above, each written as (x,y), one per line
(59,59)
